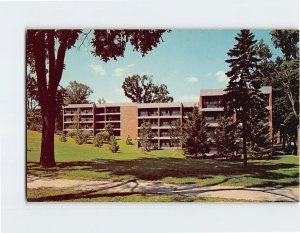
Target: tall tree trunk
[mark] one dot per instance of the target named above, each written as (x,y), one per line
(244,144)
(295,145)
(47,158)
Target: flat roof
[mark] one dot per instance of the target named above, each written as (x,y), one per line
(167,105)
(141,105)
(217,92)
(115,104)
(79,106)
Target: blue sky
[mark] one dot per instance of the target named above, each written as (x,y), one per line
(187,61)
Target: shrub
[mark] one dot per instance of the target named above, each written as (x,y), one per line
(63,137)
(80,138)
(114,147)
(129,140)
(105,135)
(109,130)
(72,133)
(98,140)
(87,133)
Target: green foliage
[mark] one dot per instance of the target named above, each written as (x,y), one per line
(283,75)
(62,137)
(87,133)
(109,129)
(195,138)
(77,93)
(72,133)
(260,145)
(110,44)
(243,95)
(145,136)
(113,145)
(129,140)
(99,139)
(31,92)
(176,133)
(141,89)
(101,101)
(287,41)
(226,138)
(81,137)
(34,119)
(76,121)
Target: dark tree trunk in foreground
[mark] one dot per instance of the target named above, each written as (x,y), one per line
(48,78)
(47,148)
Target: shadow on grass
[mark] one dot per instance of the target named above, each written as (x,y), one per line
(156,169)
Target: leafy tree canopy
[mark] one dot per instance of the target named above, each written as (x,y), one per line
(77,93)
(141,89)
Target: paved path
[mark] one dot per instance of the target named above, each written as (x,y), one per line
(288,194)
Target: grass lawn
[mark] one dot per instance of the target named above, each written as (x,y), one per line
(169,166)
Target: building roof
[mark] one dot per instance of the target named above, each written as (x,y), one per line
(217,92)
(116,104)
(79,106)
(166,105)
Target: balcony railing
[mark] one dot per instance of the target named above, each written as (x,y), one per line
(165,135)
(148,114)
(212,105)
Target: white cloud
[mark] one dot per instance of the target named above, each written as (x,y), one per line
(98,69)
(192,79)
(130,65)
(221,76)
(188,98)
(207,75)
(119,71)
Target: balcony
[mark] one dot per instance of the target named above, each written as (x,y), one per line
(69,113)
(86,113)
(148,114)
(210,119)
(113,110)
(113,118)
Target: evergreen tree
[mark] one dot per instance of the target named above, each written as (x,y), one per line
(80,138)
(114,147)
(129,140)
(243,93)
(175,133)
(98,140)
(109,129)
(63,137)
(260,145)
(145,136)
(226,137)
(195,138)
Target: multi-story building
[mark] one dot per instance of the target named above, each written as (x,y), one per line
(210,104)
(127,118)
(160,116)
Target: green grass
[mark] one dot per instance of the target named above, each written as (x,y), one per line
(168,166)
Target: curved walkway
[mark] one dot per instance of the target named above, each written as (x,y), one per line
(266,194)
